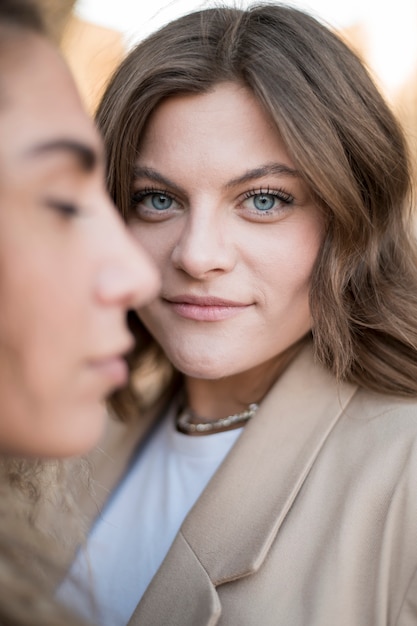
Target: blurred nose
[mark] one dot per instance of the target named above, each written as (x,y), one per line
(203,247)
(127,276)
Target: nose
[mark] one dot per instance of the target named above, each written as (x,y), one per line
(127,276)
(203,248)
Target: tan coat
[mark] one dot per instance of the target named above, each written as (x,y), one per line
(310,521)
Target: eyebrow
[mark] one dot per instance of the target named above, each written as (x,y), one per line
(149,172)
(259,172)
(85,155)
(264,170)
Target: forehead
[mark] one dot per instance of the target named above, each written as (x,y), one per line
(38,98)
(226,101)
(226,127)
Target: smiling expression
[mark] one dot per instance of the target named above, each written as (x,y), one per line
(219,205)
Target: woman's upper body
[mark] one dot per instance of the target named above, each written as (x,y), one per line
(311,518)
(253,157)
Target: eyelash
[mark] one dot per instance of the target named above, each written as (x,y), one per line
(285,198)
(66,209)
(138,196)
(282,195)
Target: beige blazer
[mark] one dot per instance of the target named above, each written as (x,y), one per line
(310,521)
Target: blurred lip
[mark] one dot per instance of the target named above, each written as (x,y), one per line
(112,367)
(204,308)
(113,370)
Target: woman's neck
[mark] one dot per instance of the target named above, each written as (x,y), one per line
(214,399)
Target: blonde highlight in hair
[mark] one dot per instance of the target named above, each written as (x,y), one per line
(344,140)
(38,518)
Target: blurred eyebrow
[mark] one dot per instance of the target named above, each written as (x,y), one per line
(85,155)
(264,170)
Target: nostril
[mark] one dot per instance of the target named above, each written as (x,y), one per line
(199,256)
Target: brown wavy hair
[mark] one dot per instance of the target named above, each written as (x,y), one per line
(344,140)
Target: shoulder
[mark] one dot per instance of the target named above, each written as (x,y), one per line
(391,411)
(377,437)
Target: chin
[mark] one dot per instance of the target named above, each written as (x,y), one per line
(205,370)
(81,430)
(52,432)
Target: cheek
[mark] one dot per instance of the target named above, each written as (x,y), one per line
(39,334)
(157,240)
(287,269)
(304,251)
(143,235)
(153,319)
(287,262)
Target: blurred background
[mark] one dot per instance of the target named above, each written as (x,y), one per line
(94,35)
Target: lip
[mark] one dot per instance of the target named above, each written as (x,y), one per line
(112,367)
(204,308)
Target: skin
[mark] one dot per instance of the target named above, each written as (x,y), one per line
(223,212)
(69,269)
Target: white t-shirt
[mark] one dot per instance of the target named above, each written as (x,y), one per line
(131,538)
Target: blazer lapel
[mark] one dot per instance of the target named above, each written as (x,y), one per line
(180,594)
(248,498)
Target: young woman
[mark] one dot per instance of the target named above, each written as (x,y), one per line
(69,272)
(274,479)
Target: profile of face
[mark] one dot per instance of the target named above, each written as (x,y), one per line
(222,210)
(69,269)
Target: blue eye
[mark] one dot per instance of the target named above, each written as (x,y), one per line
(160,202)
(266,204)
(153,205)
(264,201)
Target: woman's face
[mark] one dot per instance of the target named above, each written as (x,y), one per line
(232,227)
(68,268)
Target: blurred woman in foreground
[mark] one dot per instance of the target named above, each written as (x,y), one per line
(69,272)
